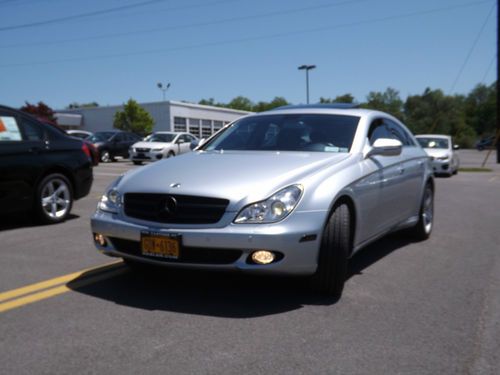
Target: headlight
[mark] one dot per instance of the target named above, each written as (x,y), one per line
(157,149)
(273,209)
(443,158)
(131,149)
(112,199)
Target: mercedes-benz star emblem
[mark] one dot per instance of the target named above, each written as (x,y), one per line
(170,206)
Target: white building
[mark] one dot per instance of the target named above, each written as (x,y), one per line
(199,120)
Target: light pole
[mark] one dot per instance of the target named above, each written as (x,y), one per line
(307,68)
(163,88)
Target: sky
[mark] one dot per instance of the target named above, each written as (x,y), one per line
(107,51)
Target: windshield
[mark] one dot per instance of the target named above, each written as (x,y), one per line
(433,142)
(100,137)
(160,137)
(302,132)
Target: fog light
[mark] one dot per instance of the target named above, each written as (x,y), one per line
(100,239)
(262,257)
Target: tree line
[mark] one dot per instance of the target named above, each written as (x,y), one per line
(465,117)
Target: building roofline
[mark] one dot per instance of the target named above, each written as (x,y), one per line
(167,102)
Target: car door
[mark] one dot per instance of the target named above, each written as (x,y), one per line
(412,170)
(22,148)
(185,142)
(379,193)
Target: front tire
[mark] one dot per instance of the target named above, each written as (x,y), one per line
(423,229)
(106,156)
(137,162)
(170,154)
(54,199)
(335,248)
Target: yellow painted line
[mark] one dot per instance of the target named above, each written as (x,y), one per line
(55,281)
(26,300)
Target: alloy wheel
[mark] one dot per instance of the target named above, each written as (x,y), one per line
(56,198)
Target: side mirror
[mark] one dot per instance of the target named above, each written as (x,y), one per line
(180,141)
(456,147)
(385,147)
(196,143)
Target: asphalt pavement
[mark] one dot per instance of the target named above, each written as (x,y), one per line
(431,307)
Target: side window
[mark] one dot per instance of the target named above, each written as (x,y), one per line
(31,130)
(378,129)
(9,129)
(119,137)
(399,133)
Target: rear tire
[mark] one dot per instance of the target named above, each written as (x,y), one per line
(54,199)
(334,252)
(423,229)
(137,162)
(105,156)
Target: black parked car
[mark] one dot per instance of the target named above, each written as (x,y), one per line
(113,143)
(42,169)
(485,143)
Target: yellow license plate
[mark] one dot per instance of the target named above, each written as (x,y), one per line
(160,246)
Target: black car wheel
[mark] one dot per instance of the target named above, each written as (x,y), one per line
(54,198)
(334,252)
(422,230)
(106,156)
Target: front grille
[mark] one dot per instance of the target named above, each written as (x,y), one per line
(138,149)
(196,255)
(174,209)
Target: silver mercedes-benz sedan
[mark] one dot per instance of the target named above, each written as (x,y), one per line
(296,190)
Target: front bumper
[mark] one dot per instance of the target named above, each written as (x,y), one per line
(441,166)
(146,156)
(296,239)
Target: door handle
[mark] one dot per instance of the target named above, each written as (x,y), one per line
(401,170)
(35,150)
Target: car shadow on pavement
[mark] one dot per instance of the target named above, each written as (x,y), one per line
(376,251)
(25,220)
(220,294)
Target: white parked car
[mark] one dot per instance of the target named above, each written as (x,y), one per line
(161,145)
(442,151)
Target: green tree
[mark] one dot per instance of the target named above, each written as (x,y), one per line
(278,101)
(134,118)
(82,105)
(437,113)
(480,109)
(346,98)
(241,103)
(388,101)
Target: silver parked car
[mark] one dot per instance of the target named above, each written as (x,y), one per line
(161,145)
(442,152)
(296,190)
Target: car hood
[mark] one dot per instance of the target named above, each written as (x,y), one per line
(151,144)
(240,176)
(437,152)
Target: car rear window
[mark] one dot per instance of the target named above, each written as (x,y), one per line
(290,132)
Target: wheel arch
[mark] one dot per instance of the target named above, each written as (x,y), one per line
(61,170)
(345,198)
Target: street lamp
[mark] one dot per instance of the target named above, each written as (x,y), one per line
(307,68)
(163,88)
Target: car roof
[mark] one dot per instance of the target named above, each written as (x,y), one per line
(332,109)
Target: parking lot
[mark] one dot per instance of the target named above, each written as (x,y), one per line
(420,308)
